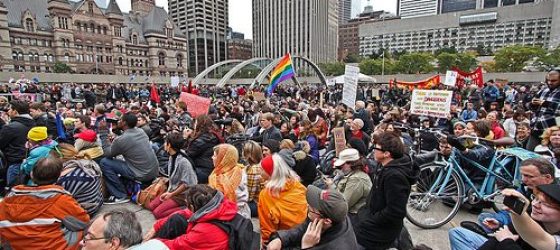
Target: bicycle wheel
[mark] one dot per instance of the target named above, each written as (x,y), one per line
(432,209)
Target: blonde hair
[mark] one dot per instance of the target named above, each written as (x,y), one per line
(287,144)
(252,152)
(281,175)
(236,127)
(547,134)
(69,152)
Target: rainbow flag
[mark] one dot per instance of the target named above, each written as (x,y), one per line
(283,71)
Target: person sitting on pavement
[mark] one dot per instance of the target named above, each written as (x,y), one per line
(230,178)
(13,138)
(44,216)
(252,154)
(193,228)
(200,147)
(117,229)
(81,176)
(39,113)
(181,175)
(282,203)
(88,144)
(309,134)
(40,146)
(139,164)
(351,180)
(380,221)
(522,134)
(327,225)
(305,166)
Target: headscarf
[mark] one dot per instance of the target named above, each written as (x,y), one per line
(227,172)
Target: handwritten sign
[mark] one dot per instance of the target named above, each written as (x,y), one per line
(451,78)
(351,75)
(434,103)
(196,105)
(339,140)
(174,81)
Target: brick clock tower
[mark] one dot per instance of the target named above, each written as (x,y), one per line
(143,6)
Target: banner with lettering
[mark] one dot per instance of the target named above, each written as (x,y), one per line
(474,77)
(425,84)
(196,105)
(433,103)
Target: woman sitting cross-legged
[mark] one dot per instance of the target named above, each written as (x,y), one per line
(181,175)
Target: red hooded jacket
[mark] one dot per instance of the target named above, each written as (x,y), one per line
(201,234)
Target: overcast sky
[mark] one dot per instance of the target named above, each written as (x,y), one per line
(240,17)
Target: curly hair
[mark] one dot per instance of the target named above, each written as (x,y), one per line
(199,195)
(547,134)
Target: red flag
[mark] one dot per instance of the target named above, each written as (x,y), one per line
(154,95)
(189,89)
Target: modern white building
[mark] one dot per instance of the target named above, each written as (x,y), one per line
(417,8)
(536,24)
(205,24)
(307,28)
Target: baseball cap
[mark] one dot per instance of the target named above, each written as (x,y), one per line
(37,133)
(330,203)
(551,190)
(347,155)
(87,135)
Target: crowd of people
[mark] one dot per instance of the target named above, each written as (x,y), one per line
(69,149)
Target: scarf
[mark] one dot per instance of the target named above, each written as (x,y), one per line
(227,173)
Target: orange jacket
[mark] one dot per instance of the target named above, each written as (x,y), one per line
(33,218)
(287,210)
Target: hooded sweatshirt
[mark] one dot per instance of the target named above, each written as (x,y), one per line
(380,221)
(13,138)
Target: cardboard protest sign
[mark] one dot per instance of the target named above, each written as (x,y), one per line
(196,105)
(351,75)
(451,78)
(433,103)
(259,96)
(339,139)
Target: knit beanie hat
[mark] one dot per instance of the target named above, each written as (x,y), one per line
(37,133)
(267,165)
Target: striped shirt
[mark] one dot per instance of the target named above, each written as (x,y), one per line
(85,188)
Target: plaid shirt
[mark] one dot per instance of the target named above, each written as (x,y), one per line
(254,182)
(546,114)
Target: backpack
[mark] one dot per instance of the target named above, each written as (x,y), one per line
(158,187)
(240,233)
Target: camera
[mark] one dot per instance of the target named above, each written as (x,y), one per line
(225,121)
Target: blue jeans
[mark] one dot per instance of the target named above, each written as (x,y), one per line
(501,216)
(13,174)
(464,239)
(112,171)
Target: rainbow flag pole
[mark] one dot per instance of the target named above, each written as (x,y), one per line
(283,71)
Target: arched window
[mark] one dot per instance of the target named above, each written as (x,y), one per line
(29,26)
(179,60)
(161,57)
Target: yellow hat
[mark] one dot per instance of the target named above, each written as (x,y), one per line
(69,121)
(37,133)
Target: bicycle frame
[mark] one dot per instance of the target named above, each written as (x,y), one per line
(492,173)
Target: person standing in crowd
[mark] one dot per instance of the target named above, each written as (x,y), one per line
(38,111)
(54,219)
(282,203)
(13,136)
(181,175)
(380,220)
(546,106)
(140,162)
(230,178)
(327,225)
(270,132)
(200,147)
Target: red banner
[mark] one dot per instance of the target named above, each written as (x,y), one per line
(196,105)
(474,77)
(425,84)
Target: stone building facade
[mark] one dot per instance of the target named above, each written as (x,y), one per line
(36,34)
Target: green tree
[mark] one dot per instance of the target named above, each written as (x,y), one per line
(61,68)
(450,50)
(550,60)
(376,67)
(466,61)
(412,63)
(332,69)
(446,61)
(514,58)
(352,58)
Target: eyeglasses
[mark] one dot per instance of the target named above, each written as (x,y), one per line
(376,148)
(86,239)
(536,200)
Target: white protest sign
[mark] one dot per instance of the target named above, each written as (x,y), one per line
(451,78)
(174,81)
(331,82)
(349,90)
(434,103)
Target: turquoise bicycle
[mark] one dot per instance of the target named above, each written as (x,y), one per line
(441,188)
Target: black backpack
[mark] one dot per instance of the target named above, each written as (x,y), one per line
(240,233)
